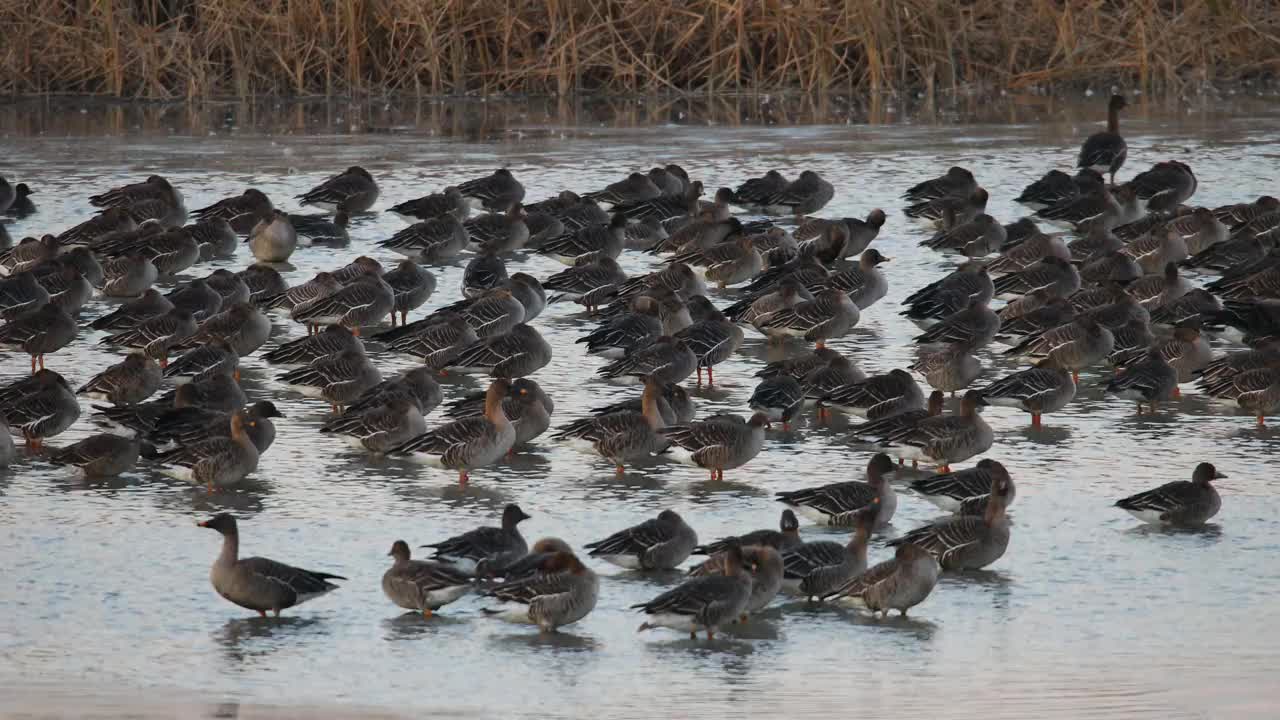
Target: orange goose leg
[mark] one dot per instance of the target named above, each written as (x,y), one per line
(463,477)
(1035,420)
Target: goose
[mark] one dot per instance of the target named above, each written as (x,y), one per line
(1042,389)
(28,254)
(667,359)
(203,297)
(213,392)
(498,233)
(83,259)
(588,243)
(966,491)
(830,315)
(433,241)
(171,251)
(21,293)
(1151,380)
(241,325)
(110,220)
(1181,502)
(528,565)
(1237,214)
(623,436)
(446,202)
(417,385)
(899,584)
(805,195)
(412,286)
(878,395)
(259,584)
(520,352)
(1155,251)
(1100,210)
(561,592)
(949,369)
(486,545)
(422,585)
(273,239)
(1187,352)
(484,272)
(1055,187)
(1030,251)
(527,405)
(706,602)
(864,283)
(728,263)
(950,211)
(102,455)
(494,192)
(816,569)
(39,332)
(218,462)
(659,543)
(836,504)
(766,573)
(364,302)
(955,182)
(469,443)
(617,336)
(750,310)
(130,381)
(974,326)
(128,276)
(579,280)
(129,314)
(635,187)
(947,438)
(1051,273)
(8,194)
(666,206)
(333,340)
(437,340)
(39,407)
(753,192)
(978,237)
(674,407)
(188,424)
(1073,346)
(899,419)
(1166,184)
(787,536)
(1105,152)
(967,542)
(215,238)
(322,285)
(779,399)
(241,211)
(351,191)
(856,234)
(154,187)
(67,287)
(717,444)
(337,378)
(967,283)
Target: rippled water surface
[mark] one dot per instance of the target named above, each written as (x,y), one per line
(103,585)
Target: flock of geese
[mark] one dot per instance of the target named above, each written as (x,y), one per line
(1113,290)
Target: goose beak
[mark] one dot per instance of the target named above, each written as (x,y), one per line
(1218,475)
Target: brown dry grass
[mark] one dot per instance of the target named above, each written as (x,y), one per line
(173,49)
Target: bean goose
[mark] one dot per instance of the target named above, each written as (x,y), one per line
(1181,502)
(816,569)
(1042,389)
(366,301)
(339,379)
(432,241)
(241,325)
(561,592)
(967,542)
(784,538)
(259,584)
(968,283)
(705,602)
(187,424)
(946,438)
(878,396)
(779,399)
(469,443)
(899,584)
(864,283)
(487,546)
(1074,346)
(964,491)
(766,568)
(38,407)
(717,444)
(498,233)
(241,211)
(155,336)
(660,543)
(351,191)
(974,326)
(216,463)
(447,202)
(422,585)
(674,407)
(101,455)
(956,181)
(623,436)
(949,369)
(900,421)
(128,276)
(522,351)
(154,187)
(830,315)
(1105,152)
(130,381)
(837,504)
(39,332)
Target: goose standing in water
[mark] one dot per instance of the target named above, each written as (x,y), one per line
(484,546)
(469,443)
(103,455)
(703,603)
(659,543)
(1038,390)
(1106,151)
(422,585)
(947,438)
(784,538)
(352,191)
(899,584)
(836,504)
(968,542)
(817,575)
(623,436)
(216,463)
(562,591)
(257,583)
(1181,502)
(717,444)
(964,492)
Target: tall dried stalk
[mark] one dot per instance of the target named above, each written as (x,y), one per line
(172,49)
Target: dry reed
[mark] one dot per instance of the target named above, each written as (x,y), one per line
(174,49)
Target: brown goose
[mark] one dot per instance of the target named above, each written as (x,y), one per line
(719,444)
(967,542)
(561,591)
(422,585)
(469,443)
(1182,502)
(130,381)
(39,332)
(257,583)
(352,191)
(897,584)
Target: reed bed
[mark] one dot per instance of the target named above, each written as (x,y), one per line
(174,49)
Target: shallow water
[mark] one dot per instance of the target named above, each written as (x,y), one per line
(1088,615)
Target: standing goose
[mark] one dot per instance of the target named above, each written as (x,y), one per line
(1151,380)
(974,326)
(322,285)
(784,538)
(203,297)
(1181,502)
(1264,400)
(257,583)
(902,420)
(967,283)
(129,314)
(447,202)
(619,335)
(422,585)
(967,542)
(668,359)
(857,234)
(498,233)
(1074,346)
(215,238)
(947,438)
(717,444)
(469,443)
(1105,152)
(190,425)
(950,211)
(589,243)
(675,406)
(1167,184)
(897,584)
(580,280)
(705,602)
(1187,351)
(412,285)
(978,237)
(111,220)
(1045,388)
(728,263)
(364,302)
(353,191)
(753,193)
(101,455)
(962,490)
(518,353)
(21,293)
(659,543)
(1051,273)
(750,310)
(806,195)
(527,405)
(623,436)
(561,592)
(218,462)
(950,369)
(430,241)
(830,315)
(274,238)
(241,211)
(339,379)
(864,283)
(484,546)
(837,504)
(817,574)
(766,573)
(636,187)
(416,385)
(1056,186)
(242,326)
(67,286)
(495,192)
(779,399)
(128,275)
(130,381)
(437,342)
(39,332)
(39,407)
(878,395)
(1030,251)
(333,340)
